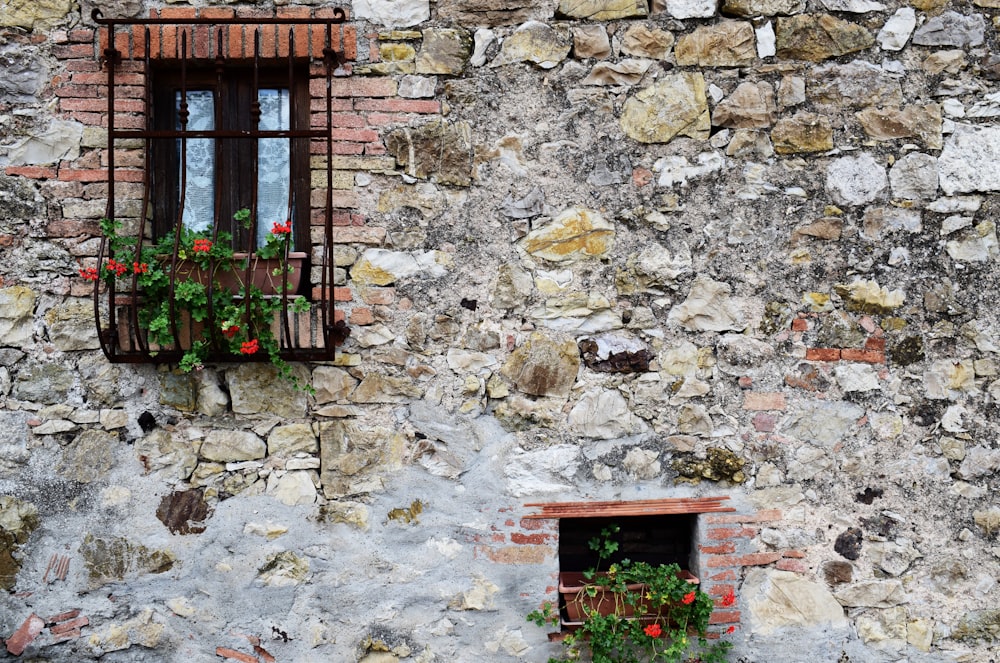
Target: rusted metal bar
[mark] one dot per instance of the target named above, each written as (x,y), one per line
(222,133)
(329,313)
(255,173)
(136,338)
(339,16)
(182,115)
(109,342)
(284,332)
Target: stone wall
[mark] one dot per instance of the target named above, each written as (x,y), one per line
(587,250)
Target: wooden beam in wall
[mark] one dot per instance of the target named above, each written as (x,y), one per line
(666,506)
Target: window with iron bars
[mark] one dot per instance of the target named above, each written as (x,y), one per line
(231,255)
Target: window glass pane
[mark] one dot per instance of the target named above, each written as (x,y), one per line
(199,182)
(273,170)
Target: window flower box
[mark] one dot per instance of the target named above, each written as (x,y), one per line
(583,597)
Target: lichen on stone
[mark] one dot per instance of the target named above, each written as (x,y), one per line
(720,465)
(407,515)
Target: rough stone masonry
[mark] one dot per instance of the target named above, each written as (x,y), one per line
(589,250)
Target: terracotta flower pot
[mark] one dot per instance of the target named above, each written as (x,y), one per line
(262,273)
(578,602)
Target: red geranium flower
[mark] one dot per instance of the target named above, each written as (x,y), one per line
(90,274)
(230,330)
(653,630)
(202,245)
(249,347)
(116,267)
(281,228)
(140,268)
(688,598)
(730,629)
(729,599)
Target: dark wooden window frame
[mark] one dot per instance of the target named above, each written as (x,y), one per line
(232,85)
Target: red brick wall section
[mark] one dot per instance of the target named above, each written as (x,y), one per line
(727,549)
(519,541)
(873,351)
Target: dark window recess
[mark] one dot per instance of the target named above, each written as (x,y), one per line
(653,539)
(663,531)
(223,129)
(219,176)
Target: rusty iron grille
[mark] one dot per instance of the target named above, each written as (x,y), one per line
(136,48)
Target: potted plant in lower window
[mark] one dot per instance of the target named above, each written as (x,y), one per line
(195,294)
(635,612)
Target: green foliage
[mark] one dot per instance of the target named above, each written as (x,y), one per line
(636,612)
(236,321)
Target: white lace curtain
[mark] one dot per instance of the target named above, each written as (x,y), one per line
(273,162)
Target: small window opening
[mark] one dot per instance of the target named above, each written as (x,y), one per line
(665,539)
(660,539)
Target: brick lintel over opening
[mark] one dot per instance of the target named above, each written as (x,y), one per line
(666,506)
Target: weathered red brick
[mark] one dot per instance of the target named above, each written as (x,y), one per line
(516,554)
(73,51)
(823,354)
(81,36)
(178,12)
(123,44)
(875,343)
(722,549)
(217,12)
(721,533)
(349,36)
(63,616)
(530,539)
(378,296)
(725,617)
(234,39)
(539,523)
(722,576)
(25,634)
(721,590)
(796,554)
(77,175)
(641,177)
(866,356)
(800,324)
(764,422)
(793,565)
(34,172)
(761,400)
(77,91)
(70,625)
(355,135)
(342,148)
(361,316)
(168,42)
(226,652)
